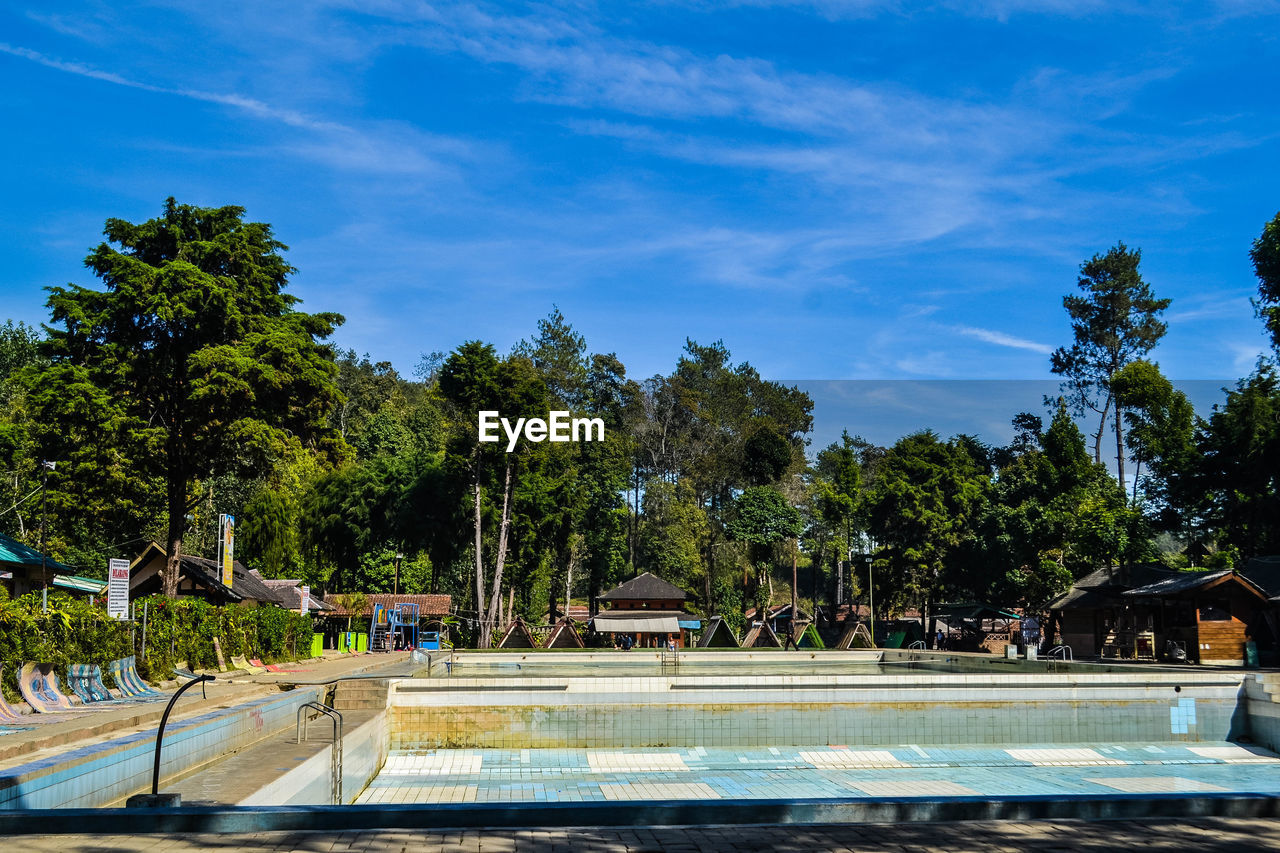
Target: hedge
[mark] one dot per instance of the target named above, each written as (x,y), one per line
(183,629)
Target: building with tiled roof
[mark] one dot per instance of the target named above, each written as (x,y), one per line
(649,610)
(428,605)
(289,592)
(199,577)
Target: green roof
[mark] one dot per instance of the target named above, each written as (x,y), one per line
(15,553)
(77,583)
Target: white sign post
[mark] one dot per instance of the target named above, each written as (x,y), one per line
(118,588)
(306,600)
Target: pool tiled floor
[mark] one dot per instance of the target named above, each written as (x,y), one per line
(823,772)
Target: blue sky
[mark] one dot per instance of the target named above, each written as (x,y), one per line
(838,190)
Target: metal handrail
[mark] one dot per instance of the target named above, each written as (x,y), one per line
(1062,652)
(336,763)
(155,773)
(918,644)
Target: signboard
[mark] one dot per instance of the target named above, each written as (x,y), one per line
(306,600)
(118,588)
(226,547)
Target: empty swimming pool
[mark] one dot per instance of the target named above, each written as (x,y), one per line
(605,726)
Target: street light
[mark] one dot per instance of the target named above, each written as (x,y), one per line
(396,588)
(45,468)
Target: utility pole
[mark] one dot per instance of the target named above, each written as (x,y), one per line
(45,468)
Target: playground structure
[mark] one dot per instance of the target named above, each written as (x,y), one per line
(396,626)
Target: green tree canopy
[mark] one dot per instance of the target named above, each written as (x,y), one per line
(1115,321)
(1266,263)
(191,363)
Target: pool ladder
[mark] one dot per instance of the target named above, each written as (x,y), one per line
(670,658)
(335,769)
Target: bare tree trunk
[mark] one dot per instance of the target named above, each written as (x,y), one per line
(1119,447)
(495,604)
(1102,430)
(173,552)
(484,635)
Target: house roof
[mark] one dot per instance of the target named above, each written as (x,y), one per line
(974,610)
(645,586)
(1265,572)
(428,605)
(1103,587)
(14,553)
(77,583)
(289,594)
(245,584)
(608,615)
(1191,581)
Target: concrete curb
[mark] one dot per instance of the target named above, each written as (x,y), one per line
(654,813)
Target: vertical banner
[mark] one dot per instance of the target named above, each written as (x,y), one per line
(306,600)
(226,547)
(118,588)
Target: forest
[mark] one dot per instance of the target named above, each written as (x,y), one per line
(187,382)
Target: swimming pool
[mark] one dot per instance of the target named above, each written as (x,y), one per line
(608,726)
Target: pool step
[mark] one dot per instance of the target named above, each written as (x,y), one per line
(360,694)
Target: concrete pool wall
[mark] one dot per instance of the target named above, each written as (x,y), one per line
(762,709)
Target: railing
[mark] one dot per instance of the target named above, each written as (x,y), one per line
(335,769)
(918,644)
(670,657)
(1062,652)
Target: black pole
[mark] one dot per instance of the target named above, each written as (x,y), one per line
(44,569)
(155,775)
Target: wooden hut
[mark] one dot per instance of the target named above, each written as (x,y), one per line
(761,636)
(1202,615)
(649,609)
(563,636)
(517,637)
(718,635)
(809,638)
(1095,618)
(856,636)
(198,577)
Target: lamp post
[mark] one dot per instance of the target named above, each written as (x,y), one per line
(45,468)
(871,591)
(396,588)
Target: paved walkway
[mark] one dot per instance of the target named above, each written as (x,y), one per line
(42,735)
(1209,836)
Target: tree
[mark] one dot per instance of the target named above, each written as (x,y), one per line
(1053,516)
(1161,435)
(192,363)
(473,379)
(1266,263)
(922,509)
(1113,323)
(19,351)
(1239,475)
(762,518)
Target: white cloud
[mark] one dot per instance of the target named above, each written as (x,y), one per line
(1001,339)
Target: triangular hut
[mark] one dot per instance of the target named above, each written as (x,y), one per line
(856,636)
(718,636)
(809,638)
(563,636)
(761,636)
(517,637)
